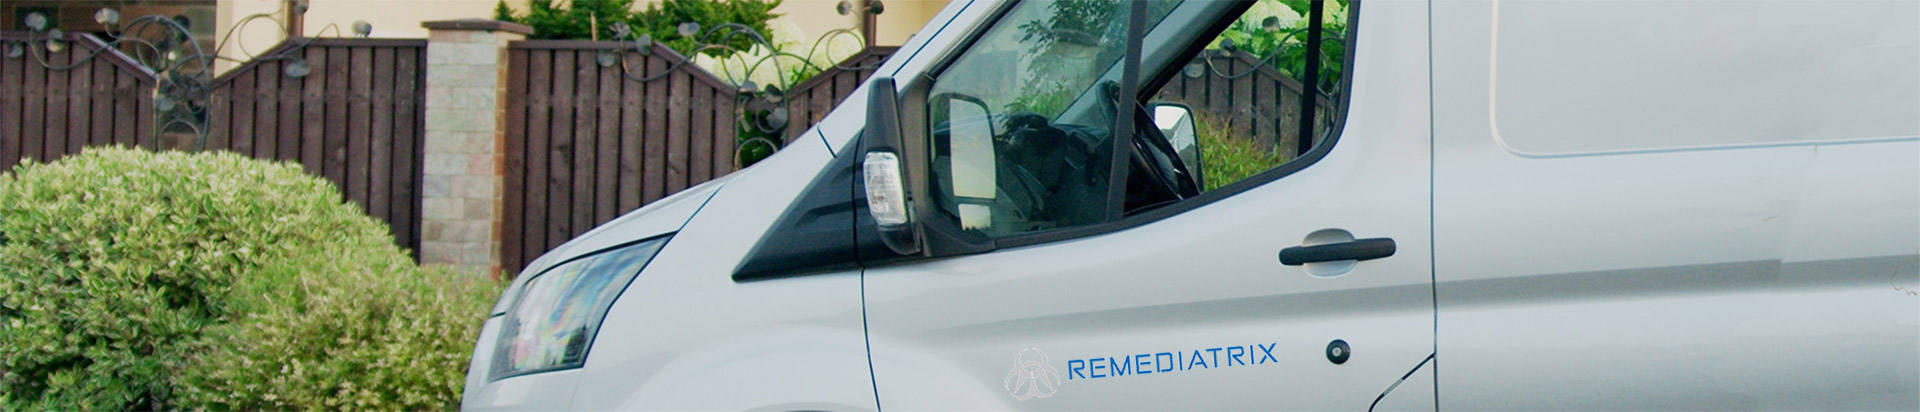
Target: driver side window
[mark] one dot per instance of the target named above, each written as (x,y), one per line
(1021,127)
(1244,92)
(1021,124)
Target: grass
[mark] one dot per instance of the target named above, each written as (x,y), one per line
(1226,158)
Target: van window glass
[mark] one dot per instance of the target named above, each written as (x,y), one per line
(1020,123)
(1244,92)
(1599,75)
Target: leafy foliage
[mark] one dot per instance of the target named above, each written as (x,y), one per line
(571,19)
(1046,100)
(788,59)
(361,337)
(1074,24)
(753,144)
(1078,39)
(593,19)
(1283,44)
(783,64)
(1226,158)
(118,266)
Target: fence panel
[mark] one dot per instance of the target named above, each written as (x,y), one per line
(598,129)
(354,120)
(1249,98)
(357,123)
(54,104)
(810,100)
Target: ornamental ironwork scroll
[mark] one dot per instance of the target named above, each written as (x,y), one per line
(760,110)
(184,71)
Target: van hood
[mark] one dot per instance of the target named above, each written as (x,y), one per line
(657,218)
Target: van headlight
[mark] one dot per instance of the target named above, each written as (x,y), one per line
(553,320)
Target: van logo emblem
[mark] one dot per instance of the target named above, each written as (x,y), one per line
(1031,377)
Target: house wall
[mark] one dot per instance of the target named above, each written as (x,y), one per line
(390,18)
(902,18)
(402,18)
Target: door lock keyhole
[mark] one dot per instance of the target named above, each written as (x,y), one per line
(1338,351)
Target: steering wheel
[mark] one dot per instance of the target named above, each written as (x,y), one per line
(1152,157)
(1153,148)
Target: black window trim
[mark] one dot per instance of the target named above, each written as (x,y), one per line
(1158,80)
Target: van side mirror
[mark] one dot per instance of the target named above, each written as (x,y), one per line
(1175,121)
(964,132)
(883,172)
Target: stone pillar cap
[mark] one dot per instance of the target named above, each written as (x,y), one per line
(478,25)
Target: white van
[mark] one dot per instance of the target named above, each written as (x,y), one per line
(1553,205)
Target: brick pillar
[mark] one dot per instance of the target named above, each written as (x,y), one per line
(465,142)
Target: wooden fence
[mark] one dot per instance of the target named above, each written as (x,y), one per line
(592,132)
(589,139)
(813,98)
(1253,98)
(357,119)
(49,110)
(586,142)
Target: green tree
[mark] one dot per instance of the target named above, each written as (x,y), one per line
(593,19)
(1281,42)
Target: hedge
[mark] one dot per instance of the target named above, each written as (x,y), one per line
(139,280)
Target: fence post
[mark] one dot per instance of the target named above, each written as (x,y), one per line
(464,157)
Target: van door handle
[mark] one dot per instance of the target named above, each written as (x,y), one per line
(1358,249)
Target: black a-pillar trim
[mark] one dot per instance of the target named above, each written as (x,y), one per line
(1124,110)
(1310,85)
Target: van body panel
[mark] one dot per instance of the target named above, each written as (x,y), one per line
(540,391)
(965,333)
(1415,393)
(685,336)
(1762,275)
(480,364)
(660,217)
(677,338)
(554,390)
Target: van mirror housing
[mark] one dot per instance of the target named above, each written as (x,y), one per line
(886,180)
(1175,121)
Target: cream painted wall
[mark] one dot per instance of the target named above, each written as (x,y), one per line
(390,18)
(903,18)
(394,18)
(402,18)
(254,37)
(813,17)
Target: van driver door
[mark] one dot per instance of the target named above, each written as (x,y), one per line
(1185,304)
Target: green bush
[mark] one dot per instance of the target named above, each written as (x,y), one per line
(118,266)
(1226,158)
(1284,45)
(593,19)
(359,337)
